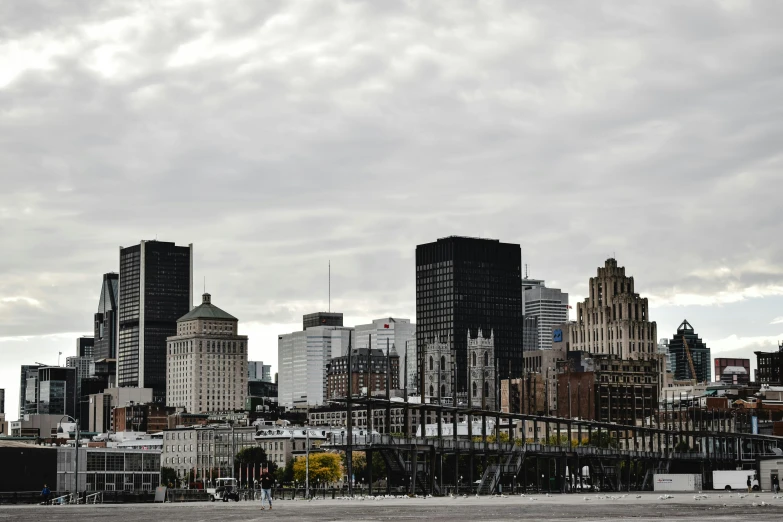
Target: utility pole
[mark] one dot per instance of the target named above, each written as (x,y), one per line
(349,421)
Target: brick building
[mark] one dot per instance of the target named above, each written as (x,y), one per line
(368,373)
(149,418)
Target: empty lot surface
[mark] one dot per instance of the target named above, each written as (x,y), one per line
(537,507)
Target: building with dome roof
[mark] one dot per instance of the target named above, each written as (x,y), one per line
(206,362)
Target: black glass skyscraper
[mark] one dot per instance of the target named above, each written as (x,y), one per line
(463,284)
(156,289)
(105,345)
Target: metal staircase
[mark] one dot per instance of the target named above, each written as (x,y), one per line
(399,467)
(510,468)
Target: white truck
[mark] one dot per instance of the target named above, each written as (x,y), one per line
(225,489)
(677,482)
(734,479)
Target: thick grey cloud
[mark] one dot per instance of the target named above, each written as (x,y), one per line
(277,135)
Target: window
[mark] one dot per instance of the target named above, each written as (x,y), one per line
(475,388)
(486,359)
(431,365)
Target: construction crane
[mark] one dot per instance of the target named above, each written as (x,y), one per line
(690,360)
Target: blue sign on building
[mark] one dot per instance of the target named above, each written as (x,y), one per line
(557,335)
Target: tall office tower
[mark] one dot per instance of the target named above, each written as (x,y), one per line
(85,346)
(105,335)
(57,391)
(613,319)
(28,389)
(548,305)
(394,332)
(663,349)
(302,359)
(700,355)
(466,284)
(2,401)
(322,319)
(206,362)
(156,287)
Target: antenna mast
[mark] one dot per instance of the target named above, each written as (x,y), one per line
(330,286)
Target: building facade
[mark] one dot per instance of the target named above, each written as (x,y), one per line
(155,289)
(302,358)
(258,371)
(549,307)
(108,469)
(463,284)
(369,372)
(439,373)
(738,370)
(282,444)
(482,371)
(57,391)
(101,406)
(322,319)
(395,332)
(606,388)
(206,361)
(85,346)
(208,451)
(700,354)
(105,319)
(28,389)
(612,320)
(770,367)
(148,418)
(663,350)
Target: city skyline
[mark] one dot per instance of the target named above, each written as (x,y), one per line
(278,139)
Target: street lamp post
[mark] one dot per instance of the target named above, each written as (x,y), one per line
(307,462)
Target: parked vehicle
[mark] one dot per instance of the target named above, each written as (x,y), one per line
(734,479)
(677,482)
(225,489)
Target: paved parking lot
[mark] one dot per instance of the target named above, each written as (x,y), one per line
(716,507)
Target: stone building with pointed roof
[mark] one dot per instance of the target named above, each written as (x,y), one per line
(206,362)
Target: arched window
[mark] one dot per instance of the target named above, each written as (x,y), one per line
(486,389)
(486,359)
(432,391)
(430,364)
(475,389)
(442,362)
(474,359)
(442,390)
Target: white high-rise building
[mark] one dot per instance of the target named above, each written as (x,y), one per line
(206,362)
(258,371)
(663,348)
(401,334)
(548,305)
(302,358)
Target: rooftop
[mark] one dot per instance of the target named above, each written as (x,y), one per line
(206,310)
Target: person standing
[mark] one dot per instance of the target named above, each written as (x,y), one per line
(776,485)
(749,484)
(45,492)
(267,481)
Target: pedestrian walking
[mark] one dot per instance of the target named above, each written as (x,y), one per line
(267,481)
(775,485)
(749,484)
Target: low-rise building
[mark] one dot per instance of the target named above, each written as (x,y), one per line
(208,451)
(149,418)
(368,372)
(108,469)
(283,444)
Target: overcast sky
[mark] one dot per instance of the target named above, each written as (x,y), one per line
(276,136)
